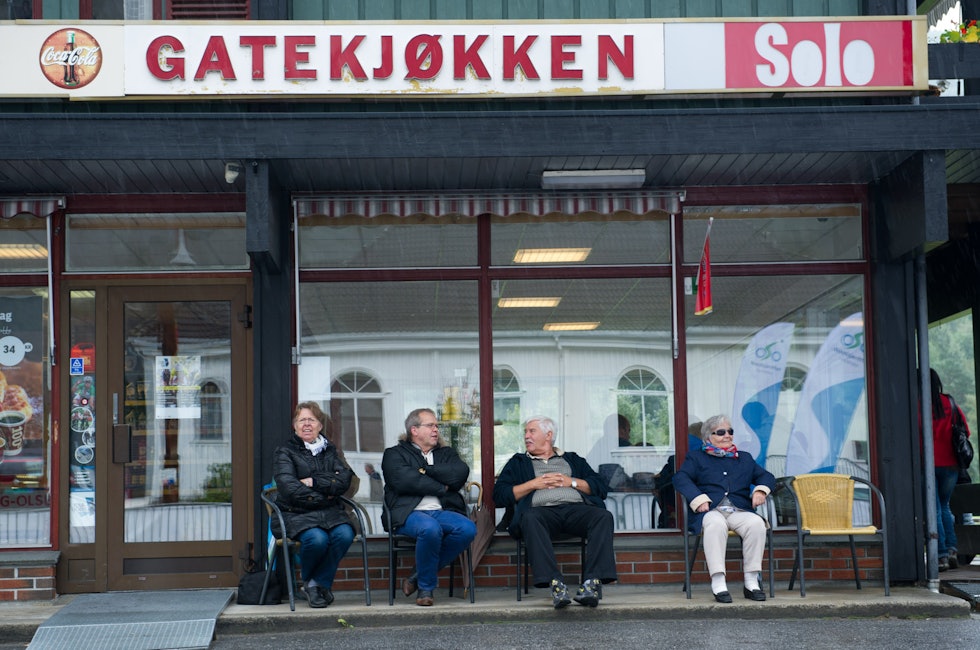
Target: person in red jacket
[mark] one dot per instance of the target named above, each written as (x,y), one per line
(947,470)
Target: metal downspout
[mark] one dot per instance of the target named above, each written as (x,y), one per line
(925,406)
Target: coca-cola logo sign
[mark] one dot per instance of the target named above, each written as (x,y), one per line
(70,58)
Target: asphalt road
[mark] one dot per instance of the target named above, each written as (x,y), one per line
(720,634)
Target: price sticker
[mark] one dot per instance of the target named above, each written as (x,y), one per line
(12,350)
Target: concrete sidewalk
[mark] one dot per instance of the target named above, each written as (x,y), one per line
(18,621)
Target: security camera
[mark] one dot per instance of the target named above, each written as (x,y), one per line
(232,170)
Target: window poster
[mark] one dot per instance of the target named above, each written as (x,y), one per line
(22,449)
(177,387)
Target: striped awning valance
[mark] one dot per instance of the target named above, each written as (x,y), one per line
(38,207)
(504,205)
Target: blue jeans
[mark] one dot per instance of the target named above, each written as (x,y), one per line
(321,551)
(946,478)
(440,536)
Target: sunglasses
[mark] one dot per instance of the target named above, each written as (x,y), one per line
(722,432)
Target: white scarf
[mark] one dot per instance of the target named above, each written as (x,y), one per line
(317,445)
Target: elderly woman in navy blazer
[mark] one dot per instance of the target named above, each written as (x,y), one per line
(723,487)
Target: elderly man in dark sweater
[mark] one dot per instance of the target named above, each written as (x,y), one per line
(554,493)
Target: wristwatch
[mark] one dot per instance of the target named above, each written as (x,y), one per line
(574,484)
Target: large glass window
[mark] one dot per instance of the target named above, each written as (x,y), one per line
(569,341)
(156,242)
(582,330)
(23,244)
(25,442)
(744,359)
(392,347)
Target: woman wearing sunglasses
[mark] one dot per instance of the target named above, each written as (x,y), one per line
(723,487)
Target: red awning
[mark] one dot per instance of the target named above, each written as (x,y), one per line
(504,205)
(38,207)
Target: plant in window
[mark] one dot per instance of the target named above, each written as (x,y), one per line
(967,32)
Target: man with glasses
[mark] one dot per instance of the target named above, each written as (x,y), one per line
(557,493)
(423,477)
(723,487)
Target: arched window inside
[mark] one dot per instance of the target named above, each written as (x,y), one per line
(212,427)
(641,396)
(508,437)
(356,403)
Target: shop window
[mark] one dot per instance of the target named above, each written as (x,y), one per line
(25,244)
(25,464)
(156,242)
(356,410)
(642,399)
(788,367)
(212,427)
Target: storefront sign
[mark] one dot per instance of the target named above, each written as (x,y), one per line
(21,388)
(438,59)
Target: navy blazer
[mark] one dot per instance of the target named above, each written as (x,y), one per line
(718,477)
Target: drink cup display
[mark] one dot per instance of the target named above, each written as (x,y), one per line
(12,428)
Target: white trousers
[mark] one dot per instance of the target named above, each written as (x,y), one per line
(747,525)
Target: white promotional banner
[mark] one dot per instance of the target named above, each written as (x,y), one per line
(832,390)
(757,388)
(165,59)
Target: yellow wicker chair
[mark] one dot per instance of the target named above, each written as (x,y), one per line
(825,507)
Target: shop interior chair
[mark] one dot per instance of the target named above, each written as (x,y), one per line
(525,561)
(767,512)
(825,507)
(289,547)
(403,544)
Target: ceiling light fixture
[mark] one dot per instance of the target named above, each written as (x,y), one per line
(571,327)
(507,303)
(593,179)
(550,255)
(23,252)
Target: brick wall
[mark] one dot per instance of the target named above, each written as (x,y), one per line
(28,575)
(636,565)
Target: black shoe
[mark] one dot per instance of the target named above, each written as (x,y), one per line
(327,595)
(952,559)
(410,584)
(754,594)
(588,593)
(723,597)
(315,597)
(944,563)
(559,594)
(425,598)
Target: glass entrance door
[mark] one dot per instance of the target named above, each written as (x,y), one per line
(177,454)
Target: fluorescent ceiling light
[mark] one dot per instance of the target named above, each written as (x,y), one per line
(593,179)
(23,252)
(528,302)
(550,255)
(570,327)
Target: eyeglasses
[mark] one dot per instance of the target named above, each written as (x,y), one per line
(722,432)
(434,425)
(307,420)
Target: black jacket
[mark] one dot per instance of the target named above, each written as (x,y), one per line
(309,507)
(408,478)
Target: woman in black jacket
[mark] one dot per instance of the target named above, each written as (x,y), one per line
(311,474)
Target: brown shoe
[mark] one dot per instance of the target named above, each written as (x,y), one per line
(425,599)
(410,584)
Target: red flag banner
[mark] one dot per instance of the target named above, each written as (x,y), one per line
(702,304)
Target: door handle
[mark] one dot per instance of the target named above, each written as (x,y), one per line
(122,443)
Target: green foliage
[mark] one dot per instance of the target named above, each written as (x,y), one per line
(951,354)
(965,33)
(217,486)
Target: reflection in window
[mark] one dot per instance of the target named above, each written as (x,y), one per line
(356,411)
(642,399)
(508,437)
(212,420)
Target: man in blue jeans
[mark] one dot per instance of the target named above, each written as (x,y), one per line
(423,477)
